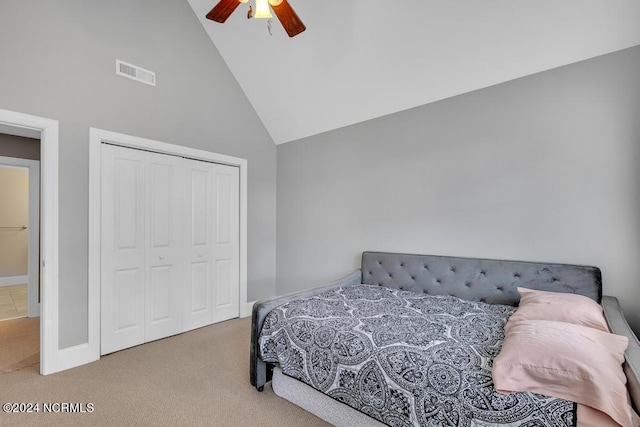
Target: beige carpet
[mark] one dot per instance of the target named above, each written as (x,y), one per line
(19,345)
(200,378)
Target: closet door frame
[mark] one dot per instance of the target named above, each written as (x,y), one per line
(98,137)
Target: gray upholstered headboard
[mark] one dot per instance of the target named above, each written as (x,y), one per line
(491,281)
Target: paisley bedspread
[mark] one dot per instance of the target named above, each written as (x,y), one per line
(404,358)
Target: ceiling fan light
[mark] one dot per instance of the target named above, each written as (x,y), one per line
(262,9)
(275,2)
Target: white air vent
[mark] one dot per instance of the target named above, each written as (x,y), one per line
(134,72)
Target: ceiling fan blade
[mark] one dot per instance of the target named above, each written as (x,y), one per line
(288,18)
(222,10)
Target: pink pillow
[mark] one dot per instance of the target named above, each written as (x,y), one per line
(558,306)
(568,361)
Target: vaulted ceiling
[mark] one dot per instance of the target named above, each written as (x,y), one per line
(361,59)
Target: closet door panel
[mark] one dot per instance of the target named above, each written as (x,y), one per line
(160,298)
(224,278)
(226,248)
(123,249)
(126,297)
(163,294)
(199,289)
(198,244)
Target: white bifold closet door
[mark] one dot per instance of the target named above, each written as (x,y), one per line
(170,254)
(211,244)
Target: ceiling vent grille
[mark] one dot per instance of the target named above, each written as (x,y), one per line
(136,73)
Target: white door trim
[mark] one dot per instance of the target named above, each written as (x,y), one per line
(96,138)
(33,228)
(11,121)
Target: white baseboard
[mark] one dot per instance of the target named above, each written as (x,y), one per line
(14,280)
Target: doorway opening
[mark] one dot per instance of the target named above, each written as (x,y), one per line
(46,130)
(19,228)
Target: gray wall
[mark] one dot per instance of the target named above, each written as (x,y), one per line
(543,168)
(19,147)
(58,61)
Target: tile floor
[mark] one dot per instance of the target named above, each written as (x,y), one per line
(13,301)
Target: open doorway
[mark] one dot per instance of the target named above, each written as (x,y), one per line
(19,253)
(20,124)
(14,240)
(19,227)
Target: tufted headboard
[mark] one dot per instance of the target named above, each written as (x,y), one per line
(486,280)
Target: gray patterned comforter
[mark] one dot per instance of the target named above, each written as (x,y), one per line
(404,358)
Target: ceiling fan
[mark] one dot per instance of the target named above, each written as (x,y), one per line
(283,10)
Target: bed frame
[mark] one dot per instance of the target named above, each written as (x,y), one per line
(485,280)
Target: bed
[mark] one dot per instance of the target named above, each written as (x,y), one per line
(435,328)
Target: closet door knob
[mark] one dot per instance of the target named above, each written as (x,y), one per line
(200,255)
(161,257)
